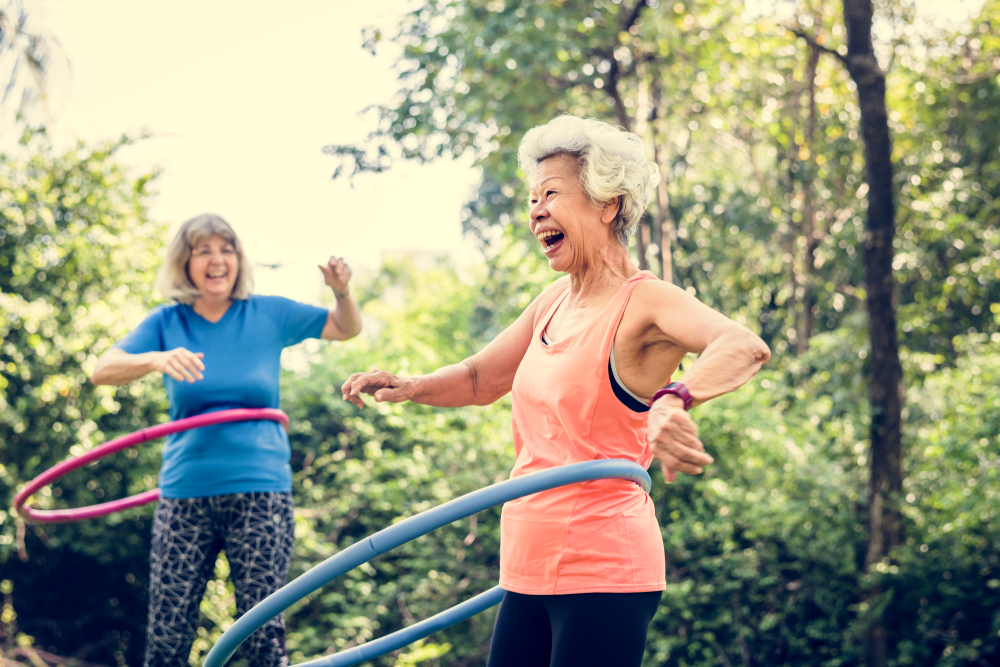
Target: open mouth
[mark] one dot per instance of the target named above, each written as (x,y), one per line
(550,238)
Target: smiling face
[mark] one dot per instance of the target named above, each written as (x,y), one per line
(569,226)
(214,267)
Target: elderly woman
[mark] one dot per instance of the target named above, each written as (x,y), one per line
(589,363)
(226,486)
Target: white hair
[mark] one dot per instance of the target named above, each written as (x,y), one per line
(611,162)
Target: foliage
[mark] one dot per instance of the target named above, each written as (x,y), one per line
(762,218)
(77,256)
(757,143)
(34,67)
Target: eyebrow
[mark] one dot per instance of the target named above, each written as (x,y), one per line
(546,181)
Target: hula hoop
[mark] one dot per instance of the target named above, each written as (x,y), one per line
(401,533)
(118,444)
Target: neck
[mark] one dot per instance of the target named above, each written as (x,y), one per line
(607,270)
(212,309)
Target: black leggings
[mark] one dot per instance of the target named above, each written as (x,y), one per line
(577,630)
(256,530)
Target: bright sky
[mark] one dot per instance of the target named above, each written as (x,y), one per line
(241,97)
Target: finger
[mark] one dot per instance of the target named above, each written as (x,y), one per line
(677,465)
(391,394)
(174,374)
(177,366)
(666,473)
(190,366)
(193,361)
(682,445)
(687,455)
(353,385)
(365,385)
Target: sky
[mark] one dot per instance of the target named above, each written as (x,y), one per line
(240,98)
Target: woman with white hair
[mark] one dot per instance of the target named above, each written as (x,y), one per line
(226,486)
(589,363)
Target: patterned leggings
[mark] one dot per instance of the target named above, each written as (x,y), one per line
(256,530)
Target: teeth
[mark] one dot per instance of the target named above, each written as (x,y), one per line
(546,235)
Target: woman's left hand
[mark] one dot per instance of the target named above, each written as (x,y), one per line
(336,274)
(674,439)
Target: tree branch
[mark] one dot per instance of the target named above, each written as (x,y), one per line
(815,44)
(634,15)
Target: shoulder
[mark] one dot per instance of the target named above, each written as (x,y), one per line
(269,303)
(656,290)
(652,296)
(552,292)
(549,295)
(165,313)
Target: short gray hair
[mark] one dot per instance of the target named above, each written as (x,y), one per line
(174,281)
(610,160)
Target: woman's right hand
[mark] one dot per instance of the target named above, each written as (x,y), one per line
(381,385)
(180,364)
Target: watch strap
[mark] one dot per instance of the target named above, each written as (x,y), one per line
(677,389)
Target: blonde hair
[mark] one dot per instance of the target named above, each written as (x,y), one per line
(611,162)
(174,281)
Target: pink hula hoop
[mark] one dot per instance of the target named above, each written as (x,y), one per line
(118,444)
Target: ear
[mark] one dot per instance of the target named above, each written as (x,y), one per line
(610,210)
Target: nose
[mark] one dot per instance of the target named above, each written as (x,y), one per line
(538,212)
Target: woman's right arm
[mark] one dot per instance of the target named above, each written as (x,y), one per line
(479,380)
(117,367)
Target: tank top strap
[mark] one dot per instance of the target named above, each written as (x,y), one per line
(547,306)
(619,303)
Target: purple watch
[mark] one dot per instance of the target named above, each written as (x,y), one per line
(678,390)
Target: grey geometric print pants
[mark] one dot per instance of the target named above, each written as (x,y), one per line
(256,530)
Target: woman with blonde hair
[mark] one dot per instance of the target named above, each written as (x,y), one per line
(589,363)
(226,486)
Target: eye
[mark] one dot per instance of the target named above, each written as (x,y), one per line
(550,192)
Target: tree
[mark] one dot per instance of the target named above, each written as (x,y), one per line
(77,257)
(29,59)
(885,371)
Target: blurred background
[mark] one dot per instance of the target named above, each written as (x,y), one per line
(387,134)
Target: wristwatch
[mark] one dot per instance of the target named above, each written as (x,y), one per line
(678,390)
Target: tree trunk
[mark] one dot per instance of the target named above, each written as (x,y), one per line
(792,304)
(663,219)
(885,372)
(807,323)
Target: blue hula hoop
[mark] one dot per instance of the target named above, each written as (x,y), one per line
(399,534)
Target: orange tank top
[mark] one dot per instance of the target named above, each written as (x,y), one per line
(593,537)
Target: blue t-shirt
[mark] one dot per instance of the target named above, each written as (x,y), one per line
(242,364)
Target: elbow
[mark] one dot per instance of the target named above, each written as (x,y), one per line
(98,377)
(483,393)
(760,353)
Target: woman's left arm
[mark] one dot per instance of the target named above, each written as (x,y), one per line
(344,321)
(730,354)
